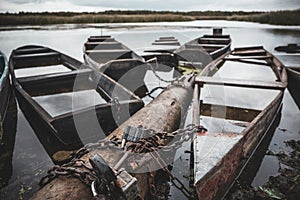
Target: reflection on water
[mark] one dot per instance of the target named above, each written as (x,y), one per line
(7,142)
(41,70)
(30,159)
(58,104)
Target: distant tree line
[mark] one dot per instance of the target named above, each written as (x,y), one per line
(289,17)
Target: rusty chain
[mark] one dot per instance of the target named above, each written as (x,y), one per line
(79,169)
(155,73)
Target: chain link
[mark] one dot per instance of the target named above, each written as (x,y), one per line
(79,169)
(155,73)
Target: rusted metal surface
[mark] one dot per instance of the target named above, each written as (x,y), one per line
(294,82)
(241,83)
(162,114)
(229,112)
(220,157)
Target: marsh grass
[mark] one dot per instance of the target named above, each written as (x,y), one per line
(46,18)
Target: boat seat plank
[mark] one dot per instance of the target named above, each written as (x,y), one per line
(36,60)
(101,39)
(213,38)
(248,57)
(248,48)
(228,112)
(171,43)
(107,51)
(216,36)
(241,83)
(32,50)
(260,52)
(205,46)
(103,45)
(252,62)
(55,76)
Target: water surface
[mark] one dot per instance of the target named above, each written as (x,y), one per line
(30,161)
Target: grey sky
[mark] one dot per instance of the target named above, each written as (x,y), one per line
(180,5)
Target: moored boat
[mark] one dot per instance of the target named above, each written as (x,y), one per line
(169,41)
(106,54)
(65,96)
(294,83)
(5,91)
(163,114)
(198,52)
(290,48)
(234,131)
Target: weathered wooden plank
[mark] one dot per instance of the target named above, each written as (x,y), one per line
(162,114)
(254,52)
(228,112)
(248,48)
(196,106)
(54,77)
(248,57)
(252,62)
(103,45)
(241,83)
(212,40)
(36,60)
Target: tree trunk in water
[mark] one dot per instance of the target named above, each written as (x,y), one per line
(164,113)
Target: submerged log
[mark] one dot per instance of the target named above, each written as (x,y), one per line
(162,114)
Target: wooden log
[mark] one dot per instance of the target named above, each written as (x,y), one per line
(162,114)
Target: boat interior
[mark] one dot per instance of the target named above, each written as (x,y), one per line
(69,90)
(231,107)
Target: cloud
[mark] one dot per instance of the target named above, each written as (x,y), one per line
(174,5)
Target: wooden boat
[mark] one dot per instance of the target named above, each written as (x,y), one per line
(59,92)
(199,52)
(164,113)
(294,83)
(5,91)
(195,54)
(234,131)
(107,55)
(290,48)
(169,41)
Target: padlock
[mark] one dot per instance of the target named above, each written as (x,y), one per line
(128,184)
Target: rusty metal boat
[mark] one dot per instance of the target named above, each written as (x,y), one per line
(234,131)
(107,55)
(294,82)
(199,52)
(58,92)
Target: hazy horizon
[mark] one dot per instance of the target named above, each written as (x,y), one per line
(155,5)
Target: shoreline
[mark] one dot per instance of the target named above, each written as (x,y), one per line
(287,17)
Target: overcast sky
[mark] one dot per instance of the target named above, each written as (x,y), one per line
(174,5)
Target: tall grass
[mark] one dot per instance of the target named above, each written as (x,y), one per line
(276,18)
(46,18)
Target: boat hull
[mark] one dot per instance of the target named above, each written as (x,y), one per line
(220,157)
(294,83)
(216,183)
(5,87)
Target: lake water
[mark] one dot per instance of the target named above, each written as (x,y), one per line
(30,161)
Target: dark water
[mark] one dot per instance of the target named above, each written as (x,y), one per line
(30,160)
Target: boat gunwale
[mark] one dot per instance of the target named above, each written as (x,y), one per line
(46,118)
(244,141)
(5,85)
